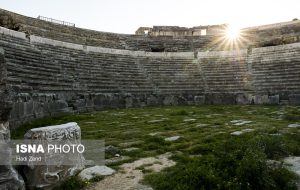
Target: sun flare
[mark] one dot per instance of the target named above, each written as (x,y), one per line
(232,32)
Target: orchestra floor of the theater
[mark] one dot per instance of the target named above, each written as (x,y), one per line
(213,146)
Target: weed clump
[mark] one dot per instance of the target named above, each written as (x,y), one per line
(237,164)
(180,112)
(72,183)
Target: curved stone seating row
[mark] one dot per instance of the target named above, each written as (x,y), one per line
(49,77)
(225,71)
(261,36)
(276,70)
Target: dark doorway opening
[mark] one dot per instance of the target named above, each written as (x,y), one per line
(157,49)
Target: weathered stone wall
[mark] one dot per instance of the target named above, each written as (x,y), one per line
(51,77)
(5,93)
(177,31)
(276,72)
(32,26)
(9,178)
(53,168)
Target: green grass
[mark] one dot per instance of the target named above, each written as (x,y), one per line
(207,156)
(72,183)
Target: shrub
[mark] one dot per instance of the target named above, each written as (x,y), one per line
(154,143)
(273,146)
(72,183)
(180,112)
(239,163)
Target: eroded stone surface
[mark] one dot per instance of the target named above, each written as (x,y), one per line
(294,125)
(116,159)
(48,175)
(175,138)
(95,171)
(155,133)
(240,122)
(237,133)
(142,187)
(112,150)
(9,178)
(130,174)
(131,149)
(189,120)
(293,163)
(202,125)
(157,120)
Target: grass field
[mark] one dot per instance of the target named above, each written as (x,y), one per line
(219,147)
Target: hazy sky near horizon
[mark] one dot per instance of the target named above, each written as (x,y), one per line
(125,16)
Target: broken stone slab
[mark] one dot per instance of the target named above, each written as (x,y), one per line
(275,134)
(131,149)
(48,175)
(89,173)
(240,122)
(155,133)
(247,130)
(112,150)
(90,122)
(216,114)
(142,187)
(116,159)
(202,125)
(9,177)
(175,138)
(89,163)
(189,120)
(294,125)
(118,114)
(157,120)
(238,133)
(278,112)
(293,163)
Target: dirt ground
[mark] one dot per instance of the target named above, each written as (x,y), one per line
(129,175)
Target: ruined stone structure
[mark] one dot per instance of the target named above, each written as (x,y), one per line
(9,177)
(176,31)
(53,69)
(160,38)
(54,168)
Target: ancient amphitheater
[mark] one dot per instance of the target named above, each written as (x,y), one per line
(47,68)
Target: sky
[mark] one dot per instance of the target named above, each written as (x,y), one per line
(126,16)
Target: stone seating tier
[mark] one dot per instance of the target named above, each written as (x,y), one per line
(48,77)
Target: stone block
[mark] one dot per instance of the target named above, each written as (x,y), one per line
(199,100)
(95,171)
(170,100)
(274,99)
(242,99)
(55,167)
(152,100)
(9,177)
(129,101)
(261,99)
(294,99)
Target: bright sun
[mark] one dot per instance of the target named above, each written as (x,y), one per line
(232,32)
